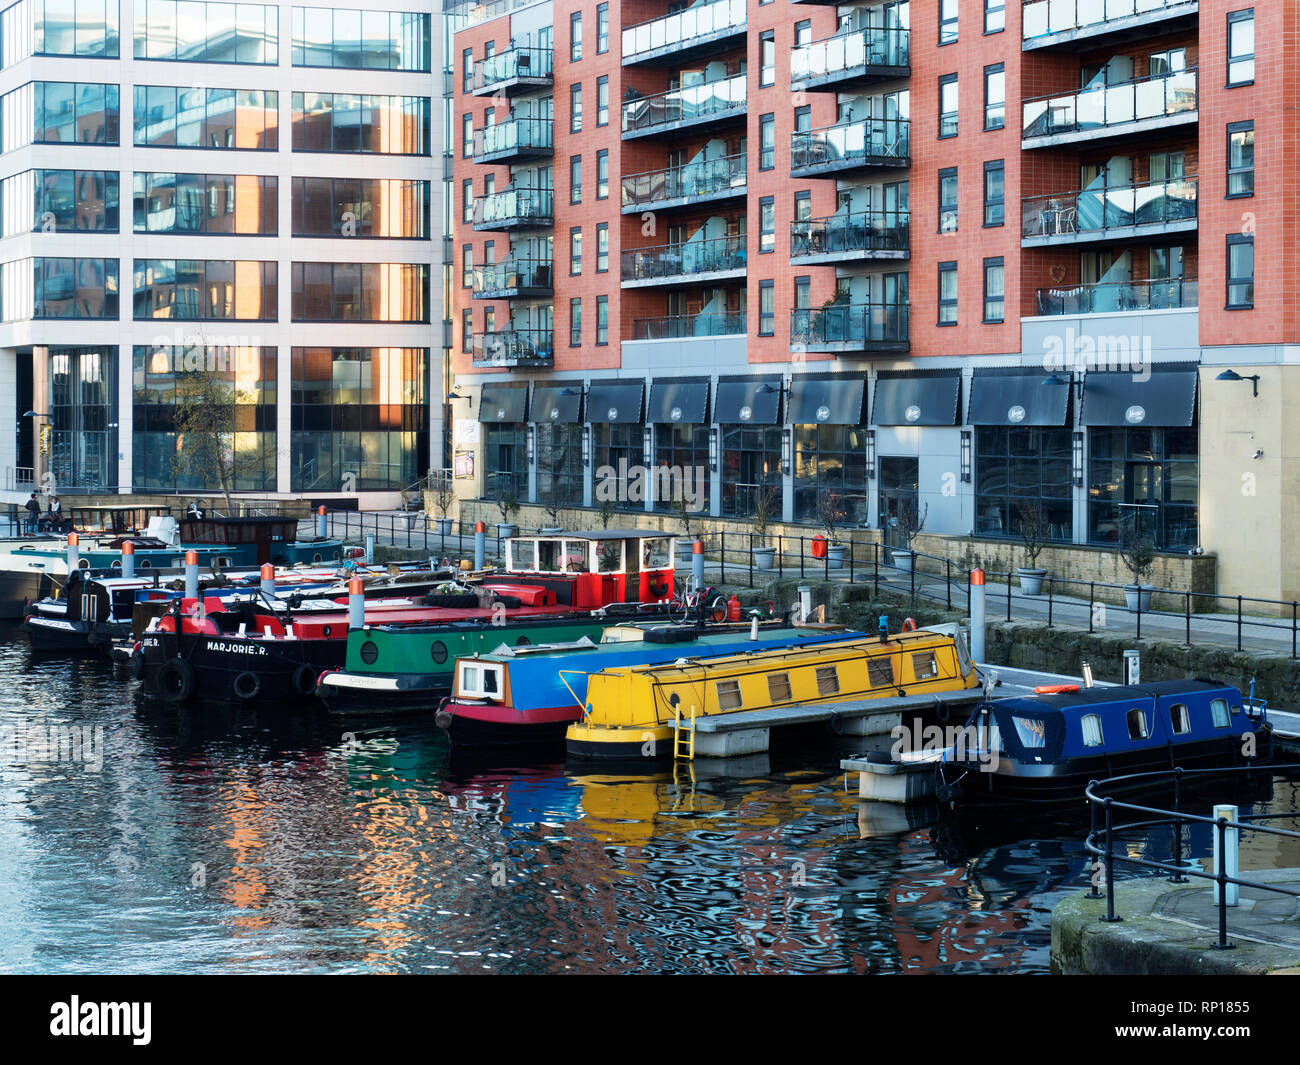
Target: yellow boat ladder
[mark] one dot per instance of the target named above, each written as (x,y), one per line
(683,734)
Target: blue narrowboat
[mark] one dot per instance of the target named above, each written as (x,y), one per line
(1049,746)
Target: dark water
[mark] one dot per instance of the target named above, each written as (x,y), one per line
(232,842)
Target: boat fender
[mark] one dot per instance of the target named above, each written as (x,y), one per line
(137,662)
(442,719)
(836,723)
(942,712)
(304,680)
(909,625)
(247,685)
(176,681)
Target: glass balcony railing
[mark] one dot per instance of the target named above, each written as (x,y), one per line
(1042,18)
(512,276)
(850,323)
(682,326)
(514,64)
(515,347)
(1110,105)
(862,231)
(1112,297)
(679,29)
(1098,210)
(705,177)
(875,46)
(684,260)
(840,147)
(514,136)
(710,99)
(515,207)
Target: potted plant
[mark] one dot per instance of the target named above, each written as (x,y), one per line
(508,505)
(910,521)
(442,495)
(764,504)
(684,542)
(830,514)
(1138,553)
(835,313)
(606,512)
(1030,523)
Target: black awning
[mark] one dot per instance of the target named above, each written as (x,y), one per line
(558,404)
(835,400)
(916,398)
(1165,398)
(748,401)
(686,402)
(1018,399)
(503,403)
(615,401)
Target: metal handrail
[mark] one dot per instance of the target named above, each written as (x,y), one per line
(1038,16)
(851,231)
(1100,209)
(1099,106)
(691,101)
(703,177)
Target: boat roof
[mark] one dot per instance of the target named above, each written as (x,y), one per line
(620,647)
(1114,693)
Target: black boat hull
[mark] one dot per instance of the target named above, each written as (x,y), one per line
(203,668)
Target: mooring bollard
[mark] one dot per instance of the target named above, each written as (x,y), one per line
(128,559)
(356,604)
(322,523)
(268,579)
(480,545)
(73,551)
(370,549)
(191,574)
(805,602)
(1229,861)
(697,564)
(977,592)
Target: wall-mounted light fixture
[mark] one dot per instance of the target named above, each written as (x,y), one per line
(785,449)
(530,444)
(586,446)
(1076,459)
(871,454)
(713,449)
(965,456)
(1232,375)
(647,445)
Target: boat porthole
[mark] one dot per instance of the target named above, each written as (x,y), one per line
(84,564)
(326,630)
(369,652)
(145,564)
(523,641)
(116,565)
(438,651)
(316,557)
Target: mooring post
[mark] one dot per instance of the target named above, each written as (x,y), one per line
(977,606)
(73,552)
(128,558)
(322,523)
(191,574)
(480,545)
(370,549)
(697,564)
(356,604)
(268,579)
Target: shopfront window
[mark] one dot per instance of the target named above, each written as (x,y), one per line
(505,461)
(1146,480)
(1019,473)
(751,461)
(682,466)
(830,473)
(559,464)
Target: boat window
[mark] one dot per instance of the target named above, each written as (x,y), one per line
(1219,713)
(523,554)
(1179,719)
(576,556)
(880,672)
(1031,731)
(1137,725)
(548,556)
(480,680)
(609,556)
(778,687)
(655,554)
(828,680)
(728,694)
(1091,724)
(924,664)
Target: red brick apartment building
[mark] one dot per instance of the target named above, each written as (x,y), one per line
(965,257)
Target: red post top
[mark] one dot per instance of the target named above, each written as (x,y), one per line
(321,510)
(479,527)
(977,576)
(73,539)
(697,548)
(128,548)
(356,586)
(191,558)
(268,571)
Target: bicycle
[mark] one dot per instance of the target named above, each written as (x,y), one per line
(691,603)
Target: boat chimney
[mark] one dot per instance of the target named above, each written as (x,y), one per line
(73,552)
(805,602)
(753,626)
(356,604)
(128,558)
(480,545)
(268,579)
(370,549)
(1087,675)
(322,523)
(191,574)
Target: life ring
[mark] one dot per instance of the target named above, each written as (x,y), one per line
(247,686)
(909,625)
(304,680)
(176,681)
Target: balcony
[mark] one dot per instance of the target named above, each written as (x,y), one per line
(693,107)
(851,237)
(513,279)
(1067,24)
(850,327)
(515,348)
(719,259)
(514,139)
(685,35)
(848,60)
(515,209)
(1141,106)
(520,69)
(703,181)
(686,326)
(1093,215)
(871,142)
(1118,297)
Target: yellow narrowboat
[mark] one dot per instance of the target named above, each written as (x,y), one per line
(630,710)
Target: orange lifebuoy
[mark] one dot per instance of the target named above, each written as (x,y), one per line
(1055,689)
(909,625)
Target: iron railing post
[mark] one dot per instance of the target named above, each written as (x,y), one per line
(1092,593)
(1178,827)
(1050,582)
(1008,595)
(1094,891)
(722,557)
(1110,867)
(1238,623)
(1222,879)
(1187,614)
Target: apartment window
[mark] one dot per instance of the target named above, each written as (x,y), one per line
(767,58)
(602,247)
(1241,159)
(948,105)
(995,97)
(321,206)
(948,293)
(947,21)
(602,28)
(1241,47)
(766,225)
(467,330)
(767,142)
(602,174)
(802,119)
(803,33)
(995,16)
(602,320)
(948,200)
(340,38)
(994,193)
(575,108)
(1241,272)
(327,122)
(575,179)
(802,293)
(467,200)
(802,206)
(467,63)
(602,100)
(467,266)
(575,36)
(489,321)
(575,323)
(575,250)
(466,136)
(994,290)
(766,308)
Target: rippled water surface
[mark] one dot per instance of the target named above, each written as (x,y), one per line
(233,842)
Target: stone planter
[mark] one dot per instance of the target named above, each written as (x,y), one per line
(835,556)
(903,560)
(507,529)
(552,530)
(1138,596)
(1031,580)
(764,558)
(443,526)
